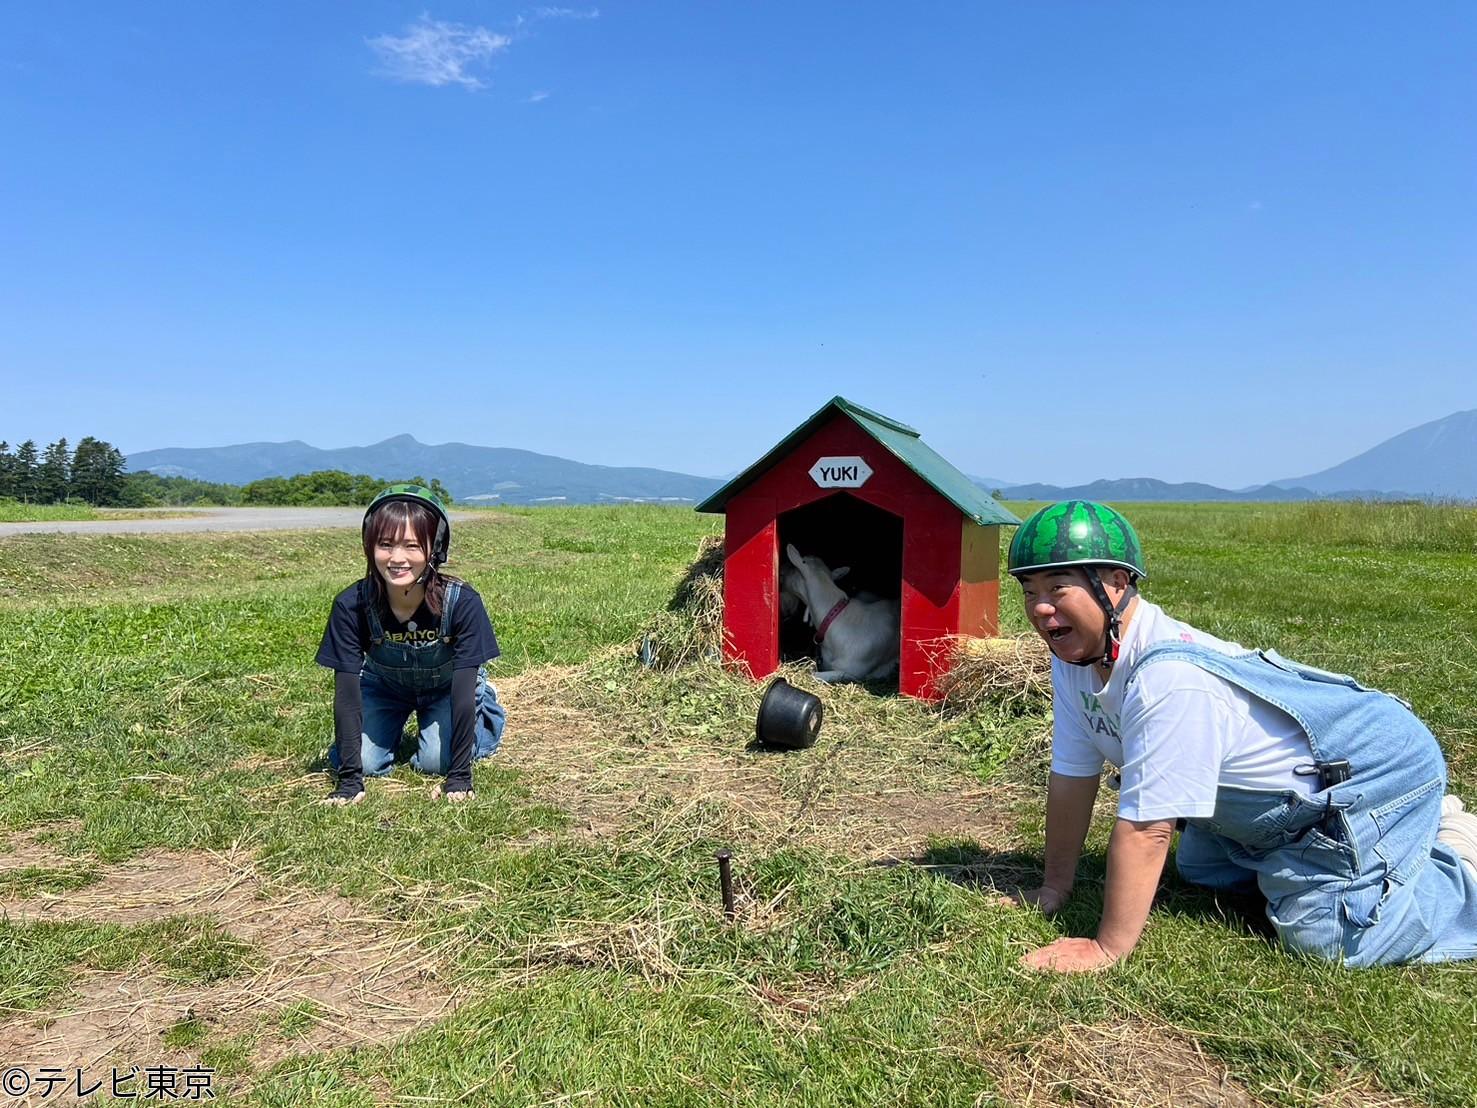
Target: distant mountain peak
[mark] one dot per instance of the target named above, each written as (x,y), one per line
(1438,458)
(397,440)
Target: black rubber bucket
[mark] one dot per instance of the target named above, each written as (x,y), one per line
(788,717)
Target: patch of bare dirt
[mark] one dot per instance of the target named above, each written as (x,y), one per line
(33,851)
(611,786)
(1129,1064)
(1140,1065)
(362,980)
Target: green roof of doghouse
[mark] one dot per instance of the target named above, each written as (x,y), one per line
(899,440)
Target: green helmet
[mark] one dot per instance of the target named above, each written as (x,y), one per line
(1076,532)
(416,494)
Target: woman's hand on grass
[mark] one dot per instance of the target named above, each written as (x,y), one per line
(453,796)
(346,793)
(1047,899)
(1070,956)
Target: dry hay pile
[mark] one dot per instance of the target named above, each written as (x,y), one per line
(691,629)
(1012,672)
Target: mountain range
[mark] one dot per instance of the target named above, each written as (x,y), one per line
(1435,460)
(476,474)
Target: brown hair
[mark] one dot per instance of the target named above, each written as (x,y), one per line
(389,521)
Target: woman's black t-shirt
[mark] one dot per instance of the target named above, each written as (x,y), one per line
(346,638)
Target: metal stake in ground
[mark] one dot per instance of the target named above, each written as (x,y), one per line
(725,879)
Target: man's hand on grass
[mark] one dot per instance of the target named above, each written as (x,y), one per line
(1069,956)
(453,796)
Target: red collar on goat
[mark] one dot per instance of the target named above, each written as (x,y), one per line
(820,632)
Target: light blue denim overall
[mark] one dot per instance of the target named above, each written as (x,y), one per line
(400,678)
(1354,872)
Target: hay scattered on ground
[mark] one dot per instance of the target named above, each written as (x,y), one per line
(1144,1064)
(1012,673)
(625,750)
(1122,1065)
(366,981)
(659,731)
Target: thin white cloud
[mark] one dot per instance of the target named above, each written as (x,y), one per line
(522,19)
(537,97)
(431,52)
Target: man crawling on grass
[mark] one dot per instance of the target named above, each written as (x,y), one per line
(1327,797)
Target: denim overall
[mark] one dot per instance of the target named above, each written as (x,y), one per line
(400,678)
(1353,872)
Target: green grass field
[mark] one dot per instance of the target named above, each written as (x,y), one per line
(559,940)
(15,511)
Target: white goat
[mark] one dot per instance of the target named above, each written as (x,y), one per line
(858,636)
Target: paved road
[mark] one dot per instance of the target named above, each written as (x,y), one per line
(205,519)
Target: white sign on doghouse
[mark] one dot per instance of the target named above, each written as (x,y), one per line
(840,473)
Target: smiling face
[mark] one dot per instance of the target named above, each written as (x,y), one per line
(397,544)
(400,559)
(1060,605)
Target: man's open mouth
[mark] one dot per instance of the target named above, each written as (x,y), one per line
(1056,634)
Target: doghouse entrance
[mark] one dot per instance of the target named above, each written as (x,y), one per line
(842,531)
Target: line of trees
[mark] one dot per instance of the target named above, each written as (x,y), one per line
(150,490)
(94,473)
(328,486)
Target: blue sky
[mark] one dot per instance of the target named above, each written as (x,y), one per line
(1228,243)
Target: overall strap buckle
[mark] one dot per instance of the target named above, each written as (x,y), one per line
(368,606)
(453,591)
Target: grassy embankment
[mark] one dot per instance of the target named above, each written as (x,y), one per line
(160,693)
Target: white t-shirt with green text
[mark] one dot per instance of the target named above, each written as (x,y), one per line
(1179,735)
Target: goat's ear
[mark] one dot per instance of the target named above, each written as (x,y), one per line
(794,556)
(840,572)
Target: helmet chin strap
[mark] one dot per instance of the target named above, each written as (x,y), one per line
(1113,612)
(421,580)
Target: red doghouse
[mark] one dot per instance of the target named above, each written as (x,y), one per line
(861,490)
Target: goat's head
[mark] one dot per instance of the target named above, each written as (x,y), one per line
(793,578)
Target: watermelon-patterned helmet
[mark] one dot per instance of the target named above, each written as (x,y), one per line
(1076,532)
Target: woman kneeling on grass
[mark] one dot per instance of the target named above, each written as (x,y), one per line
(1326,796)
(408,638)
